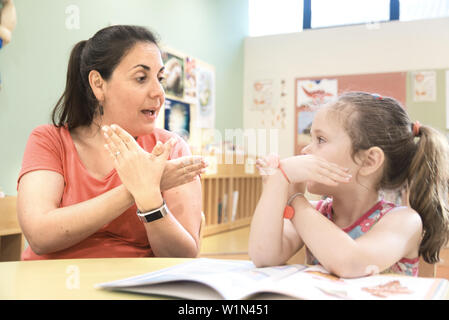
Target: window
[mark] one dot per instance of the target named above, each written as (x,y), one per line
(274,16)
(284,16)
(327,13)
(419,9)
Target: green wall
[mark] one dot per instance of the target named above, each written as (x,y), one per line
(432,113)
(33,66)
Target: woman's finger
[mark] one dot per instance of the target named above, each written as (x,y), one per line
(114,140)
(114,154)
(127,139)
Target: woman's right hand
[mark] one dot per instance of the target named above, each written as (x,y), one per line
(182,170)
(303,168)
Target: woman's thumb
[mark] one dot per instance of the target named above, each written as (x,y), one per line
(167,147)
(158,149)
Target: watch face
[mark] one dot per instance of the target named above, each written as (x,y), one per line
(154,216)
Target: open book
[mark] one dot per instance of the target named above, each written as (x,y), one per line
(208,279)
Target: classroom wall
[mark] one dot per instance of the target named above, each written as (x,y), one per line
(33,66)
(386,47)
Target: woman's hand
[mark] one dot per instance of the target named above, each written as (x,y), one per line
(303,168)
(139,170)
(182,170)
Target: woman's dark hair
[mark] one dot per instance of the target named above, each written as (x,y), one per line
(419,160)
(103,52)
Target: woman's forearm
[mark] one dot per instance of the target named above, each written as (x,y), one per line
(168,238)
(72,224)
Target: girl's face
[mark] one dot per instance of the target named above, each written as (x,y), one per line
(134,93)
(330,142)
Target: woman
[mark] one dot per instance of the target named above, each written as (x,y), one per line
(84,177)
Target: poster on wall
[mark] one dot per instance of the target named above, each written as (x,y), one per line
(262,92)
(190,80)
(310,96)
(424,86)
(174,74)
(205,101)
(177,118)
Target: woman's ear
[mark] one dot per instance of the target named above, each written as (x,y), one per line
(97,84)
(373,159)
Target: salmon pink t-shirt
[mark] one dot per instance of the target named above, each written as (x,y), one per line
(52,148)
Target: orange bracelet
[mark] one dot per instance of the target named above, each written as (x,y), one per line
(289,212)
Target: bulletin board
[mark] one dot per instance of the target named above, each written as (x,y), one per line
(189,88)
(313,92)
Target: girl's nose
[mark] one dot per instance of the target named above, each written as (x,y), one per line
(305,150)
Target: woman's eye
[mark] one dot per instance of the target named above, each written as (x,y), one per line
(161,79)
(141,79)
(321,140)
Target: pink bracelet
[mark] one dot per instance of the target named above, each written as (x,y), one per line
(283,172)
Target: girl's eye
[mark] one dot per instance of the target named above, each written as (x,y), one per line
(320,140)
(161,79)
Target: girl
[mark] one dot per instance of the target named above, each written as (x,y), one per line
(360,144)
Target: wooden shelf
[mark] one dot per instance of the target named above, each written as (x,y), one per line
(11,239)
(230,196)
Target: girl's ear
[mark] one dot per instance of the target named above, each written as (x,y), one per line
(97,85)
(373,159)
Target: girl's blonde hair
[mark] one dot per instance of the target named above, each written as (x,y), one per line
(419,162)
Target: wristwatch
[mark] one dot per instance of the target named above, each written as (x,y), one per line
(152,215)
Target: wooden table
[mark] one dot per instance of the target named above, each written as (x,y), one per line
(74,278)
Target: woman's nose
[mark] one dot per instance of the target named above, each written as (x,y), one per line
(156,90)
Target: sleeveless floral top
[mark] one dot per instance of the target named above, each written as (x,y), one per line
(404,266)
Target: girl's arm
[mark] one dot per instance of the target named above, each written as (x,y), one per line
(397,235)
(49,228)
(273,239)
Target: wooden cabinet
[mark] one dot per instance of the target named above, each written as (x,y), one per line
(230,196)
(11,239)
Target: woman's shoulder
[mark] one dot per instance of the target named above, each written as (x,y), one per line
(48,130)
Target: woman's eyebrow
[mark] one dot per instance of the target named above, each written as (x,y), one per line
(141,65)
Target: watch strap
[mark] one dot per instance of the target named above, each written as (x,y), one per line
(153,215)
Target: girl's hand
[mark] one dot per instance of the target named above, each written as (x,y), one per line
(139,170)
(303,168)
(182,170)
(267,165)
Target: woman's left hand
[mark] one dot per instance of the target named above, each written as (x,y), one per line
(139,170)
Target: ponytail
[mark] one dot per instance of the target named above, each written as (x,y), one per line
(428,178)
(67,110)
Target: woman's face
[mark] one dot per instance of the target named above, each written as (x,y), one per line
(133,96)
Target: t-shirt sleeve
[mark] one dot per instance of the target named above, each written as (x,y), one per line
(43,151)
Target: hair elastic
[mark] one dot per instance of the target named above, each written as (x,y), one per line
(377,97)
(416,129)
